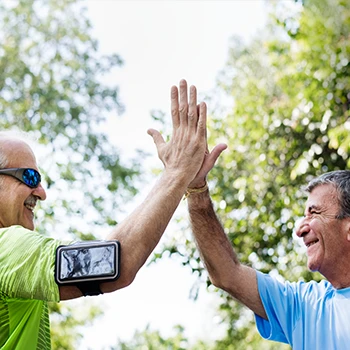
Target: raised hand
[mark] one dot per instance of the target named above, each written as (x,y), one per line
(184,154)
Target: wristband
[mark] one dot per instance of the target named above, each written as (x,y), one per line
(190,191)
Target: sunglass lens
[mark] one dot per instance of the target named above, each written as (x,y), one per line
(31,177)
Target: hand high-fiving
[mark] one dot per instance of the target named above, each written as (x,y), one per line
(185,152)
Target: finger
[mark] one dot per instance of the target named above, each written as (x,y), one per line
(202,120)
(206,136)
(206,131)
(192,109)
(183,107)
(157,137)
(174,100)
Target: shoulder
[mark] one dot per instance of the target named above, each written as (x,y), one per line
(18,242)
(301,288)
(315,290)
(12,232)
(19,233)
(12,235)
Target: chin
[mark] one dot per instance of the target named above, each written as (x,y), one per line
(313,266)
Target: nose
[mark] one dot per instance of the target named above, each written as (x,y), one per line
(40,192)
(303,228)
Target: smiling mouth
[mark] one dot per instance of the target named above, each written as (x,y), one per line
(30,207)
(311,243)
(30,203)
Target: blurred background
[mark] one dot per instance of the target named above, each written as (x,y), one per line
(86,79)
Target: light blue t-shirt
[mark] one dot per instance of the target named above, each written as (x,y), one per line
(305,315)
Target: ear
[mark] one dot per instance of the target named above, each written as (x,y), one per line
(347,228)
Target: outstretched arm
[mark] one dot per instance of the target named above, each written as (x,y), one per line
(182,157)
(225,270)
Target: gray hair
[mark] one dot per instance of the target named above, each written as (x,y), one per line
(340,179)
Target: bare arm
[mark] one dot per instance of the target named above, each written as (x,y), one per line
(182,157)
(225,270)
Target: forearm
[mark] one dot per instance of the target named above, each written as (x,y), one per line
(214,247)
(141,231)
(225,270)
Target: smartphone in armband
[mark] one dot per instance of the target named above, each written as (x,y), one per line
(87,264)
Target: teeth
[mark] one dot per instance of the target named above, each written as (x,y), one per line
(30,203)
(30,207)
(312,243)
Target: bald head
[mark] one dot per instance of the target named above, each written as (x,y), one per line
(10,143)
(11,146)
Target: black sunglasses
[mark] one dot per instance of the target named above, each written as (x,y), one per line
(28,176)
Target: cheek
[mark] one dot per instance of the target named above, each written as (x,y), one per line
(316,226)
(15,206)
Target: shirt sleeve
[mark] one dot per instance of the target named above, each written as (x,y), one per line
(27,261)
(280,301)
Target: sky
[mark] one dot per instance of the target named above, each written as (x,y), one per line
(162,42)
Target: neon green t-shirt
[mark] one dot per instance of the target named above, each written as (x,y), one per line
(27,283)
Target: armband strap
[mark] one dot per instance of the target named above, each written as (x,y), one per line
(89,288)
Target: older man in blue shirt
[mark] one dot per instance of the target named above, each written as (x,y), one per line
(305,315)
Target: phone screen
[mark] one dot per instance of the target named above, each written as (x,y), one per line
(83,262)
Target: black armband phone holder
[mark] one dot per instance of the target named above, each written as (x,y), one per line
(87,264)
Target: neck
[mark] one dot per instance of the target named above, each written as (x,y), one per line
(339,278)
(340,285)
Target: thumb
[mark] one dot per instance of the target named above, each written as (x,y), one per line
(215,153)
(157,137)
(211,159)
